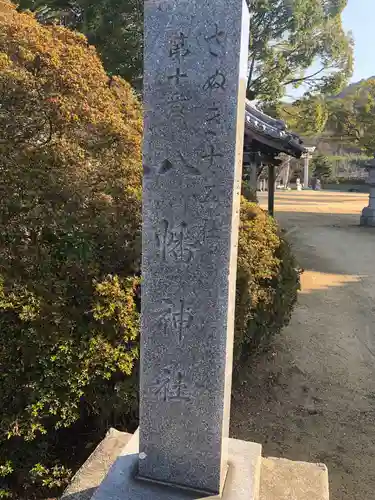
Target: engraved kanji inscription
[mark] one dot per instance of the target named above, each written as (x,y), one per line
(214,116)
(177,114)
(176,317)
(211,155)
(178,98)
(167,166)
(162,169)
(176,78)
(176,107)
(213,119)
(179,47)
(215,81)
(189,169)
(171,387)
(215,41)
(174,243)
(213,228)
(211,232)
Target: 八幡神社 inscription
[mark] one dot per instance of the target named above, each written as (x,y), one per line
(195,77)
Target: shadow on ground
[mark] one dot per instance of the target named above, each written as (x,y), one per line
(311,397)
(303,401)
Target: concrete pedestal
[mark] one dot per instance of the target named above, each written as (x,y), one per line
(286,480)
(121,483)
(111,469)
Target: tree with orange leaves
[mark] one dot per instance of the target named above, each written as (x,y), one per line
(70,177)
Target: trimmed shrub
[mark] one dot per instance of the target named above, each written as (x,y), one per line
(322,167)
(249,192)
(267,280)
(70,199)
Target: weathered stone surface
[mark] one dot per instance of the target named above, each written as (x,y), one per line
(91,474)
(242,482)
(194,81)
(282,479)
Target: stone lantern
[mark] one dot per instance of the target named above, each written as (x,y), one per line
(368,213)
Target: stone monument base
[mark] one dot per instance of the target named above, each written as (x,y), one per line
(368,217)
(121,483)
(109,474)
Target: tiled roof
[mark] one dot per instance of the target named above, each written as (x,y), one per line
(273,133)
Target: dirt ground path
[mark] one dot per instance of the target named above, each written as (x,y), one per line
(312,397)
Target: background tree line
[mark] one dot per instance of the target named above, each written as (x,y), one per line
(293,42)
(295,46)
(342,123)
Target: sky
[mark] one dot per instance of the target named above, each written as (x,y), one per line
(359,17)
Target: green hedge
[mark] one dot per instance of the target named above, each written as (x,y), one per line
(344,180)
(70,214)
(249,192)
(268,280)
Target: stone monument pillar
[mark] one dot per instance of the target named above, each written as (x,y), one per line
(368,213)
(307,156)
(195,79)
(306,171)
(271,189)
(287,173)
(254,175)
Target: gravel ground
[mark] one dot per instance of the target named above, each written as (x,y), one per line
(312,396)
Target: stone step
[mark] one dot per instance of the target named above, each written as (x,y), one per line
(243,480)
(282,479)
(95,469)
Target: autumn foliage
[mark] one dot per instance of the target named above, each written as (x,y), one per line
(70,177)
